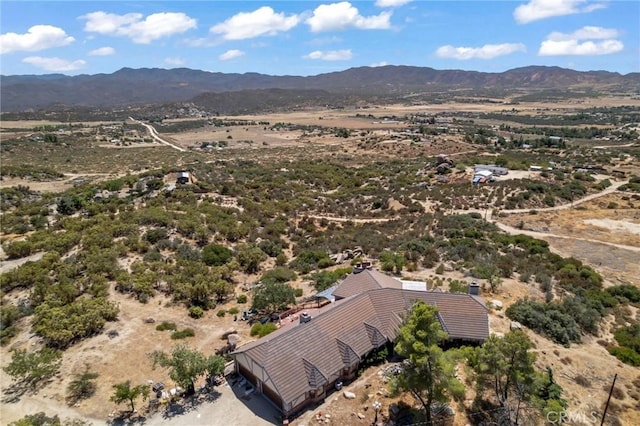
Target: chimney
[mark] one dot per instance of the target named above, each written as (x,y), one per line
(359,267)
(474,288)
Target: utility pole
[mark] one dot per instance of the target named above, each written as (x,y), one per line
(604,414)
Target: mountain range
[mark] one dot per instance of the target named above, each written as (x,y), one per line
(127,86)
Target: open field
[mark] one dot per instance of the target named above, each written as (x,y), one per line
(381,173)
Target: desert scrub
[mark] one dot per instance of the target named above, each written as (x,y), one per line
(196,312)
(166,325)
(182,334)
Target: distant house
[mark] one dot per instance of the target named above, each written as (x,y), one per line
(183,178)
(482,176)
(299,365)
(555,140)
(496,170)
(535,168)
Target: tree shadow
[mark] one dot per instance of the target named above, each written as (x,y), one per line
(128,418)
(177,408)
(17,390)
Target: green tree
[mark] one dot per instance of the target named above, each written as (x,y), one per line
(81,386)
(392,261)
(548,394)
(68,204)
(62,325)
(33,367)
(216,255)
(123,392)
(505,365)
(186,365)
(427,374)
(273,296)
(250,257)
(279,275)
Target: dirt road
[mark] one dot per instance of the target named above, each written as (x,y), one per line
(7,265)
(154,134)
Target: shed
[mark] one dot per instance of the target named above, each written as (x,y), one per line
(484,173)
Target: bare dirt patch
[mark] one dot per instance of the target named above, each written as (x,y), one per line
(615,225)
(124,356)
(596,232)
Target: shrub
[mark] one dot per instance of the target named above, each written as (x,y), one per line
(221,313)
(625,292)
(242,298)
(626,355)
(546,318)
(196,312)
(457,286)
(325,279)
(182,334)
(234,310)
(278,275)
(166,325)
(216,255)
(603,184)
(262,330)
(298,292)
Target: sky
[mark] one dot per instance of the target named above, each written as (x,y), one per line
(308,37)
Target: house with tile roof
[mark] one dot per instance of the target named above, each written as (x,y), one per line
(296,366)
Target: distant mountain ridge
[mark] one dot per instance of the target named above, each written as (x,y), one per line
(129,86)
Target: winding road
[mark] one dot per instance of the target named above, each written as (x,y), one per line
(154,134)
(488,215)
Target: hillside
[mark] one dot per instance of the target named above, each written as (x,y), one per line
(140,86)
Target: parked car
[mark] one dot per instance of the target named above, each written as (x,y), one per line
(248,314)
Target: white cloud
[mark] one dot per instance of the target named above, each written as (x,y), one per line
(175,61)
(132,25)
(585,33)
(379,64)
(109,23)
(260,22)
(38,37)
(579,42)
(330,55)
(103,51)
(200,42)
(391,3)
(488,51)
(54,64)
(541,9)
(231,54)
(340,16)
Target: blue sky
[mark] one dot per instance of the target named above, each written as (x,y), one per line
(313,37)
